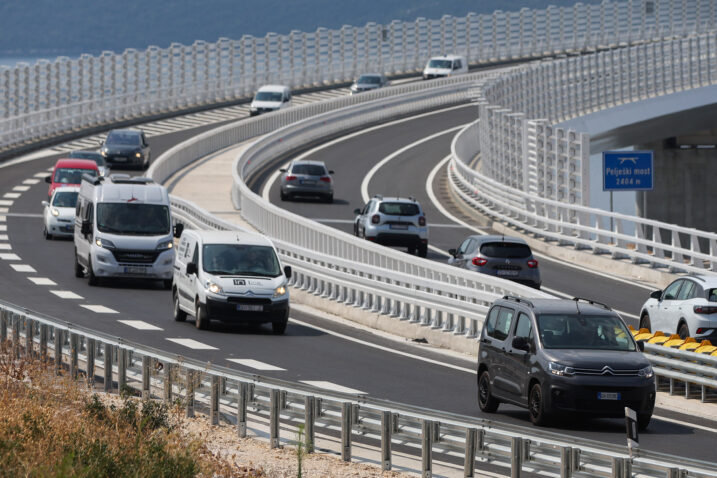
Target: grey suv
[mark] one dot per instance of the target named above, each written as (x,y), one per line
(307,178)
(506,257)
(561,355)
(393,221)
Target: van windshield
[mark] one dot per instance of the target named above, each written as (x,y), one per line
(268,96)
(580,331)
(240,260)
(133,219)
(446,64)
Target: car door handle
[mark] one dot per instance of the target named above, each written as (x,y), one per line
(484,341)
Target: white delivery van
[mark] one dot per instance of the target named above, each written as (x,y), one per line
(230,276)
(446,65)
(123,228)
(270,98)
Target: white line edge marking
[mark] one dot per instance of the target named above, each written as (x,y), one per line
(381,347)
(684,423)
(255,364)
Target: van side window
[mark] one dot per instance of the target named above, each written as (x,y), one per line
(78,208)
(457,64)
(523,328)
(89,213)
(182,249)
(502,322)
(492,319)
(195,256)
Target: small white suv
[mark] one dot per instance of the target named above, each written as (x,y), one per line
(270,98)
(230,276)
(393,221)
(443,66)
(688,307)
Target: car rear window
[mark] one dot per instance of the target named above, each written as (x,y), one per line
(505,250)
(399,208)
(310,169)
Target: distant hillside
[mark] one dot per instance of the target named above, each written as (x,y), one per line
(70,27)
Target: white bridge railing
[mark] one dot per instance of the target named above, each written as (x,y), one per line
(49,99)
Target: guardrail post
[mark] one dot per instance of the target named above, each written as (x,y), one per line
(74,338)
(386,429)
(145,376)
(214,405)
(121,370)
(29,339)
(43,342)
(516,456)
(4,314)
(15,336)
(58,350)
(190,394)
(309,433)
(274,419)
(346,424)
(566,462)
(168,369)
(621,467)
(241,409)
(673,473)
(470,458)
(108,368)
(426,449)
(91,348)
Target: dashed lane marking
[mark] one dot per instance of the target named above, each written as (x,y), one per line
(41,175)
(9,256)
(66,294)
(3,227)
(140,324)
(21,214)
(192,344)
(255,364)
(2,210)
(332,386)
(42,280)
(5,247)
(22,268)
(3,237)
(6,202)
(31,181)
(99,309)
(11,195)
(21,188)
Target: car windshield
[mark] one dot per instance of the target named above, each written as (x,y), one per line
(369,79)
(399,208)
(439,64)
(310,169)
(133,219)
(240,260)
(65,198)
(268,96)
(505,250)
(96,157)
(581,331)
(116,137)
(72,175)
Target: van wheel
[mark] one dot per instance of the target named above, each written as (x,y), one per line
(92,278)
(201,321)
(423,250)
(643,420)
(645,322)
(179,314)
(486,401)
(278,328)
(536,406)
(79,270)
(283,196)
(412,250)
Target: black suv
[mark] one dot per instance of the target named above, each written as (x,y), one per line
(126,147)
(561,355)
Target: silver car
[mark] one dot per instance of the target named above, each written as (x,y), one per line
(501,256)
(307,178)
(393,221)
(369,81)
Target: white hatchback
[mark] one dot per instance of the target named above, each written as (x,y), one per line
(59,213)
(687,307)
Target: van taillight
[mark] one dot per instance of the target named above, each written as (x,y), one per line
(422,221)
(479,261)
(375,219)
(533,264)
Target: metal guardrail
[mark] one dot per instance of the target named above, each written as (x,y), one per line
(247,399)
(49,99)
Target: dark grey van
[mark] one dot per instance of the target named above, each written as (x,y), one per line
(556,356)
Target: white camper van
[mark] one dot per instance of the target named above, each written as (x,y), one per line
(270,98)
(123,228)
(446,65)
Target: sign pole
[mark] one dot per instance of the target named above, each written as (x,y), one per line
(611,211)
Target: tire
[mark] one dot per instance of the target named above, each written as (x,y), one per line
(643,420)
(179,314)
(683,331)
(167,283)
(536,406)
(486,402)
(278,328)
(423,250)
(47,235)
(79,270)
(201,321)
(92,279)
(412,250)
(645,322)
(283,196)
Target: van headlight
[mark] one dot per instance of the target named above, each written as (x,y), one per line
(646,372)
(165,245)
(214,288)
(104,243)
(279,291)
(560,369)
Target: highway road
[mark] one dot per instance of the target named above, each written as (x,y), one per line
(38,274)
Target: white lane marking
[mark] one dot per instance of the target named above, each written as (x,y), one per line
(332,386)
(275,175)
(9,256)
(3,237)
(5,247)
(31,181)
(192,344)
(22,268)
(439,206)
(382,348)
(140,324)
(349,221)
(6,202)
(3,227)
(685,423)
(41,175)
(66,294)
(21,189)
(255,364)
(99,309)
(11,195)
(42,281)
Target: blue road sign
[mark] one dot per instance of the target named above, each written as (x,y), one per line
(627,170)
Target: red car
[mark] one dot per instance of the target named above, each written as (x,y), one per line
(68,172)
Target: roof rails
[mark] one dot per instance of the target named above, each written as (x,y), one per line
(521,300)
(94,180)
(592,302)
(127,179)
(694,275)
(378,196)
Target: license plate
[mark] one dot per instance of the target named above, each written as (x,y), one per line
(502,272)
(310,183)
(67,228)
(135,270)
(608,396)
(119,159)
(250,307)
(398,226)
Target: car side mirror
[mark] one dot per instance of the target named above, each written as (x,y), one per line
(641,345)
(191,268)
(357,211)
(48,179)
(45,203)
(452,252)
(656,294)
(521,343)
(178,228)
(86,228)
(282,170)
(331,171)
(287,272)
